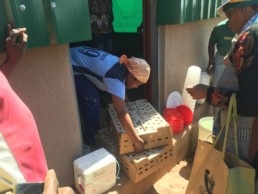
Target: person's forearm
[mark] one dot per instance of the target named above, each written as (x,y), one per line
(218,97)
(127,124)
(125,118)
(211,52)
(14,49)
(6,67)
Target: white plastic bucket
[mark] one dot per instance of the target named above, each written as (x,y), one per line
(205,129)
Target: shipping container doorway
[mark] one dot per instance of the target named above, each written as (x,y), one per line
(129,35)
(132,36)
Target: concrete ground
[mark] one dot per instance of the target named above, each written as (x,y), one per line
(175,181)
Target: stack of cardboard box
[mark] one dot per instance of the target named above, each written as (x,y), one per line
(152,128)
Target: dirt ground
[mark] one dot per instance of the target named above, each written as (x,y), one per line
(174,182)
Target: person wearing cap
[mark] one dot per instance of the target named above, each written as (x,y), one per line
(240,77)
(96,70)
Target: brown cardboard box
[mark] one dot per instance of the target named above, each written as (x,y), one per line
(139,166)
(149,125)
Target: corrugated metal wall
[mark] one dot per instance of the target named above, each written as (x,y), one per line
(182,11)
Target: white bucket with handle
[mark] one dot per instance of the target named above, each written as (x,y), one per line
(205,129)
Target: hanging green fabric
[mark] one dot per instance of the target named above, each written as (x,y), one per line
(127,15)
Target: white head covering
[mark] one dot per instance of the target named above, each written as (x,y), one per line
(139,68)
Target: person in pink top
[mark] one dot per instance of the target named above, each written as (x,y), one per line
(22,158)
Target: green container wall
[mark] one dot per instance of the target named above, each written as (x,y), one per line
(70,20)
(33,18)
(182,11)
(47,21)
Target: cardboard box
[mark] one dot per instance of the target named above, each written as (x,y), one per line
(139,166)
(149,125)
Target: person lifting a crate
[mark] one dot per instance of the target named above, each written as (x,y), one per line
(96,70)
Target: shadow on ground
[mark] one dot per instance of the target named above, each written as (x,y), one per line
(175,181)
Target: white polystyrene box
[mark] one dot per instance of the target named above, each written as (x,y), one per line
(95,172)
